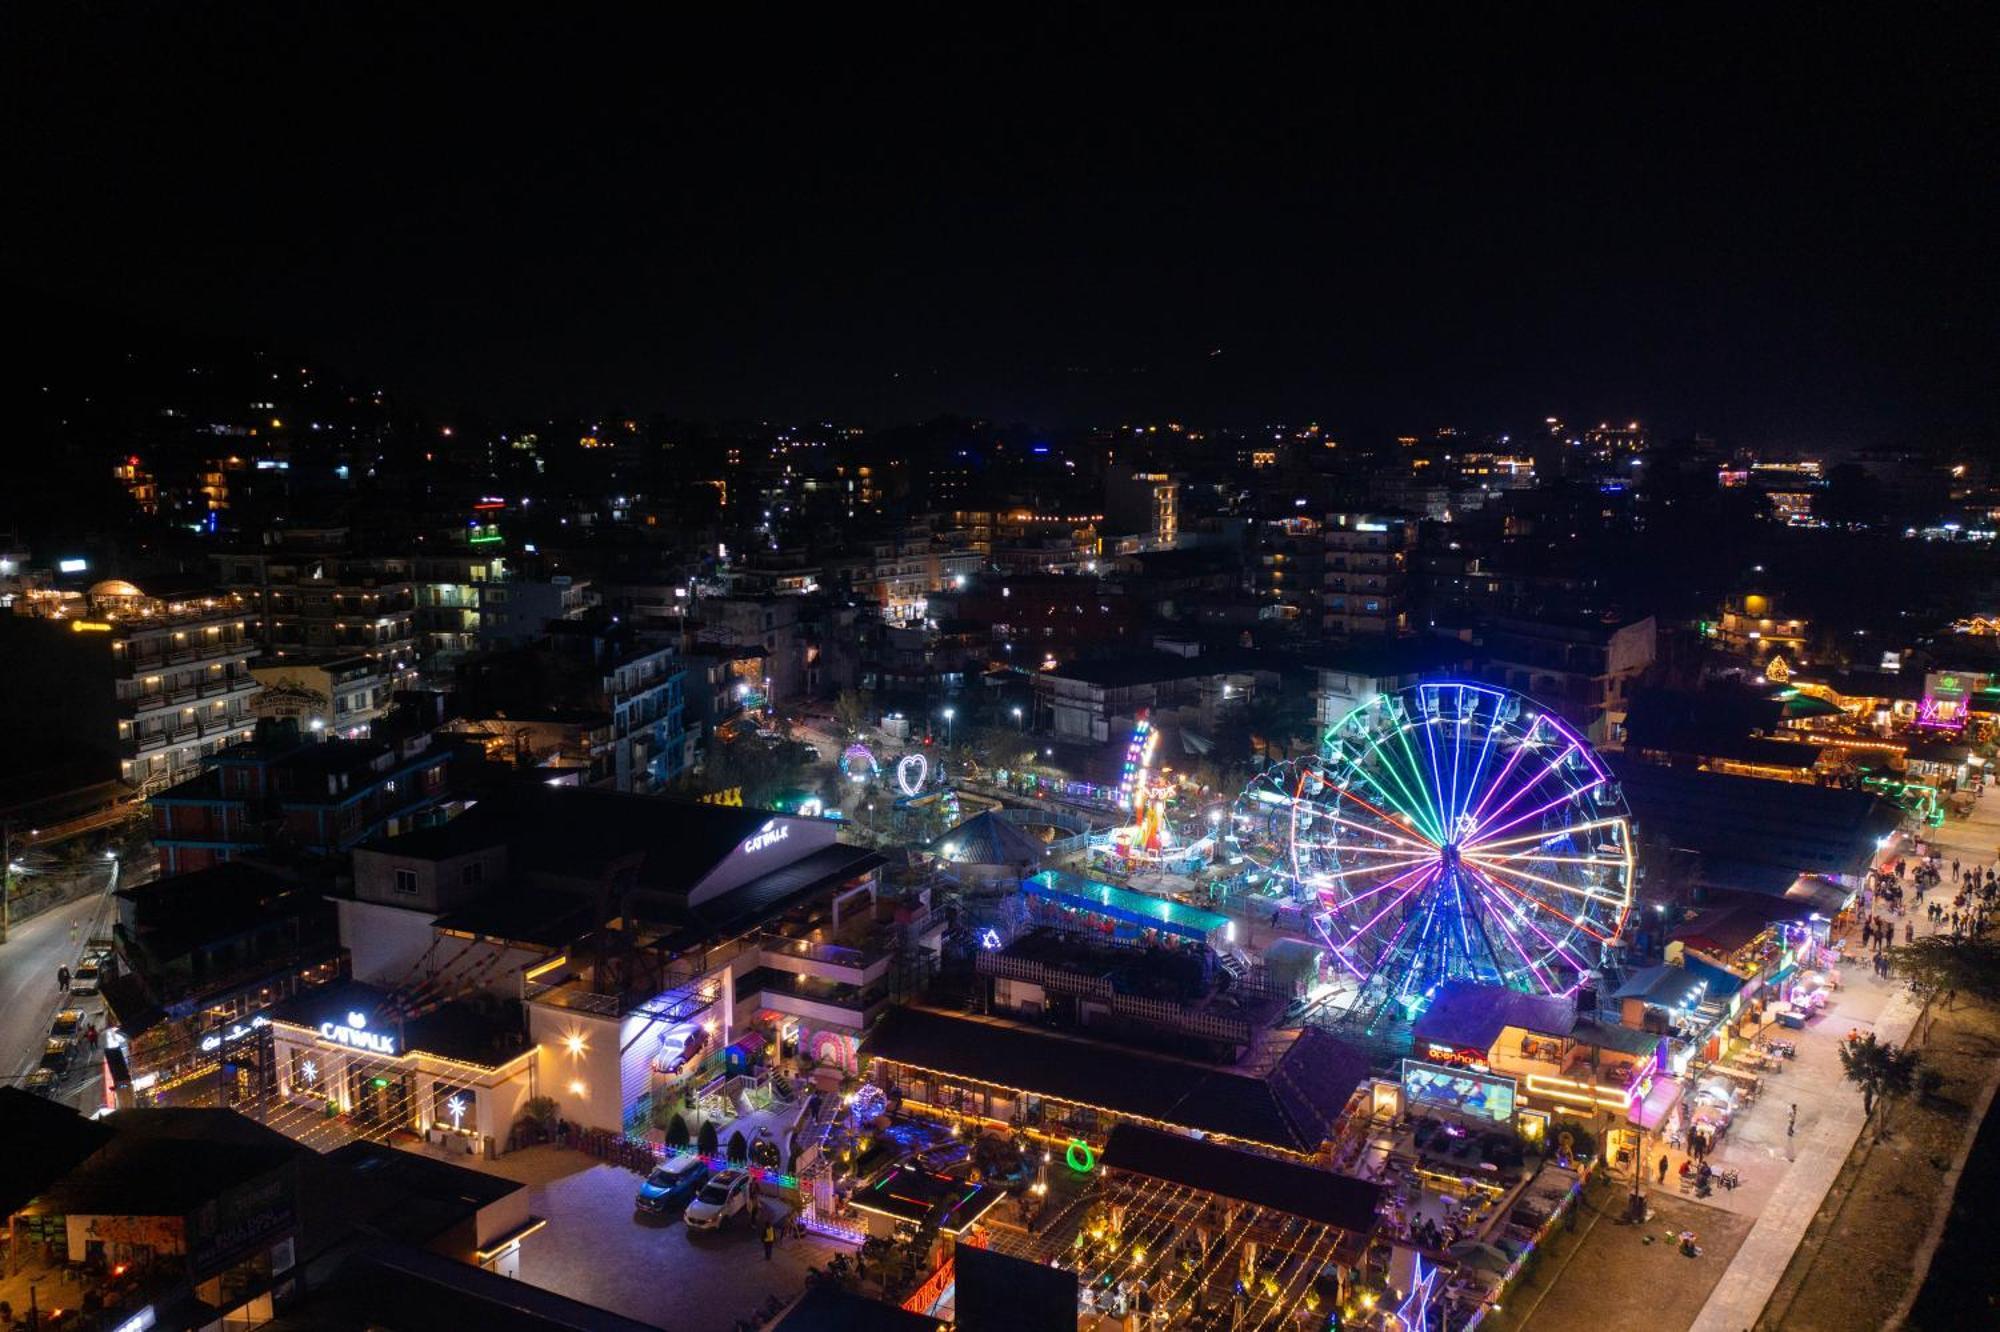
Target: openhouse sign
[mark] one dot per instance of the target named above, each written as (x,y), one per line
(354,1034)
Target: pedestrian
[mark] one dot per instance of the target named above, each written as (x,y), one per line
(1663,1167)
(1867,933)
(770,1240)
(1909,931)
(62,979)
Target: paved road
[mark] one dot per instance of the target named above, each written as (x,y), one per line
(28,962)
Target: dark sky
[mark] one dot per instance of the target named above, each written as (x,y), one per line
(1780,235)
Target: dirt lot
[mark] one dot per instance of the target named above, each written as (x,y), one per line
(1608,1274)
(1855,1262)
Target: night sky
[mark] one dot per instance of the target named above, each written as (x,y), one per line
(1783,237)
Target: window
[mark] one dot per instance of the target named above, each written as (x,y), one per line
(406,882)
(474,874)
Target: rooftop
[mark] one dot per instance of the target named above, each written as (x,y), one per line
(168,1162)
(1469,1016)
(175,916)
(397,1286)
(1303,1191)
(463,1030)
(1290,1111)
(988,839)
(1666,986)
(62,1140)
(1073,890)
(1805,829)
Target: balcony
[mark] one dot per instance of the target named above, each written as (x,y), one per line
(824,961)
(807,996)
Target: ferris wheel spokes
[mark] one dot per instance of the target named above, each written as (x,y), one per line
(1499,911)
(1496,879)
(1549,835)
(1520,873)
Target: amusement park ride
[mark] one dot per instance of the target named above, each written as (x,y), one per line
(1453,831)
(1149,839)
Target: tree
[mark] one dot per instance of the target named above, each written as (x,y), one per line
(763,768)
(1941,964)
(854,710)
(677,1130)
(706,1140)
(1880,1069)
(739,1147)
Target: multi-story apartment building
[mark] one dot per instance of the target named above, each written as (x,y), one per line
(1752,627)
(156,682)
(311,597)
(773,623)
(1366,579)
(1143,507)
(341,696)
(1585,669)
(597,700)
(650,744)
(285,790)
(451,589)
(1289,574)
(521,609)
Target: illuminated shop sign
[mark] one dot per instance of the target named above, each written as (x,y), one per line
(769,835)
(215,1040)
(355,1035)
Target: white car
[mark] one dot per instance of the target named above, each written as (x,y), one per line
(722,1197)
(83,981)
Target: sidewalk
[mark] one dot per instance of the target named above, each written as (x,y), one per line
(1822,1149)
(1830,1120)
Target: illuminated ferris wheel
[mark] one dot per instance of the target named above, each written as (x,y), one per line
(1452,831)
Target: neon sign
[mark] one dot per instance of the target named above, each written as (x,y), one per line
(767,836)
(355,1035)
(1080,1157)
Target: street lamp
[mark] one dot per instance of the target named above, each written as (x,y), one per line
(1017,720)
(948,715)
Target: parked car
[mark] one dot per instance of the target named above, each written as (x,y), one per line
(57,1052)
(723,1196)
(83,981)
(672,1185)
(66,1022)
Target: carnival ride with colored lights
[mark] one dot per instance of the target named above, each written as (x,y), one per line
(1452,831)
(1149,838)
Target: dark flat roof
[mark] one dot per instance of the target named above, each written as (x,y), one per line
(769,896)
(176,916)
(1318,1195)
(396,1286)
(59,1137)
(169,1162)
(522,916)
(1272,1112)
(459,1030)
(1806,829)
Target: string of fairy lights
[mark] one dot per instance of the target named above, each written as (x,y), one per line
(1147,1249)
